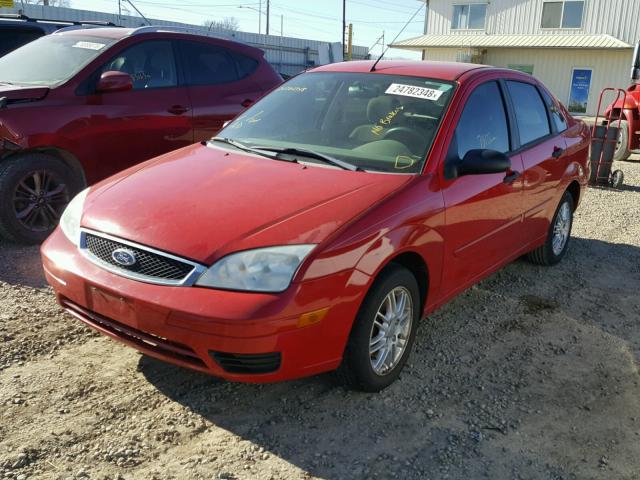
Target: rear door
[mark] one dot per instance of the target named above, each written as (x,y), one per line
(219,84)
(151,119)
(483,212)
(543,155)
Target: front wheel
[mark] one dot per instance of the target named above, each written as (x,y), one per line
(557,242)
(34,190)
(383,332)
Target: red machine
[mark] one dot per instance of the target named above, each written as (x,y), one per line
(626,111)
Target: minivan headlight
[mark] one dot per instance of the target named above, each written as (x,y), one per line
(268,269)
(70,219)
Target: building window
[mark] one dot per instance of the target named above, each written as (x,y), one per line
(469,16)
(566,14)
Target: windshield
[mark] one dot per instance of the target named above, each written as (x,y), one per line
(50,60)
(372,121)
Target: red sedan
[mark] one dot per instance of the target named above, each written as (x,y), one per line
(321,225)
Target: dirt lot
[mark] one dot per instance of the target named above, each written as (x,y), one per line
(531,374)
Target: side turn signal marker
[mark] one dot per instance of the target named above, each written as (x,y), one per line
(312,318)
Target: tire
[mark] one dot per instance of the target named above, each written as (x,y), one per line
(546,254)
(357,370)
(622,151)
(617,179)
(38,187)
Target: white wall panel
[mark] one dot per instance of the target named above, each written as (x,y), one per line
(619,18)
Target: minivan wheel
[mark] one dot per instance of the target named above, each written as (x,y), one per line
(383,333)
(557,242)
(34,191)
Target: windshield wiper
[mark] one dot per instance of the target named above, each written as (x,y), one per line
(244,148)
(315,155)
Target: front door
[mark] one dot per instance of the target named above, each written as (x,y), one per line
(483,224)
(151,119)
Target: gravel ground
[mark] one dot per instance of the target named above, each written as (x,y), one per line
(531,374)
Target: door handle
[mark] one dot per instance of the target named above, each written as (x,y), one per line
(247,102)
(511,177)
(557,152)
(178,109)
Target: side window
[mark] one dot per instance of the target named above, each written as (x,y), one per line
(531,113)
(483,123)
(246,65)
(557,116)
(150,64)
(207,64)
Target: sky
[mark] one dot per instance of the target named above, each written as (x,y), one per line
(311,19)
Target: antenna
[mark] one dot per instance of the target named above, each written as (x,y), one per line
(373,67)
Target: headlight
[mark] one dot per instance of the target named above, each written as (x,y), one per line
(70,219)
(263,270)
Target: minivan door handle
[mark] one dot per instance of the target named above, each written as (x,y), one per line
(557,152)
(178,109)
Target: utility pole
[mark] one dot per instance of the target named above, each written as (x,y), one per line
(119,12)
(344,24)
(350,43)
(268,4)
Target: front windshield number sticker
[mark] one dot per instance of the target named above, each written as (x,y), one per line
(89,45)
(413,91)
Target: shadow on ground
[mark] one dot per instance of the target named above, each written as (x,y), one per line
(491,374)
(21,265)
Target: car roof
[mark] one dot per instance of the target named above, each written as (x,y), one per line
(118,33)
(438,70)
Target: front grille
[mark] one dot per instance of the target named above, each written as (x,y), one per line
(147,263)
(247,363)
(137,338)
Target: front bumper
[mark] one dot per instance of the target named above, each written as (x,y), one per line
(221,333)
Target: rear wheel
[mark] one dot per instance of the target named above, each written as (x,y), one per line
(622,151)
(557,242)
(34,191)
(383,332)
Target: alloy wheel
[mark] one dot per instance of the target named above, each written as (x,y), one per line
(390,331)
(39,200)
(561,229)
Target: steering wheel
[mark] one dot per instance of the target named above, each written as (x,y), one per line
(409,137)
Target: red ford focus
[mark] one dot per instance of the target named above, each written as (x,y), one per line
(321,225)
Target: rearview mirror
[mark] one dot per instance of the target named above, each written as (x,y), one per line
(480,161)
(114,81)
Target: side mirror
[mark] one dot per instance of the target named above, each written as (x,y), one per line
(481,161)
(114,81)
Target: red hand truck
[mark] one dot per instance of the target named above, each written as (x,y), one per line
(604,139)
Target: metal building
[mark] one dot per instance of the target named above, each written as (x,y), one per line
(288,55)
(576,47)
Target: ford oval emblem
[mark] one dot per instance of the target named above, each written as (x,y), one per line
(124,257)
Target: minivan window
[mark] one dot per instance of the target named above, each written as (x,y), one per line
(207,64)
(531,114)
(483,123)
(151,64)
(373,121)
(51,60)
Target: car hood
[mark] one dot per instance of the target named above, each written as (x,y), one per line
(204,202)
(14,93)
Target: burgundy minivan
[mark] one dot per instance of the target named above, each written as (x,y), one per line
(85,103)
